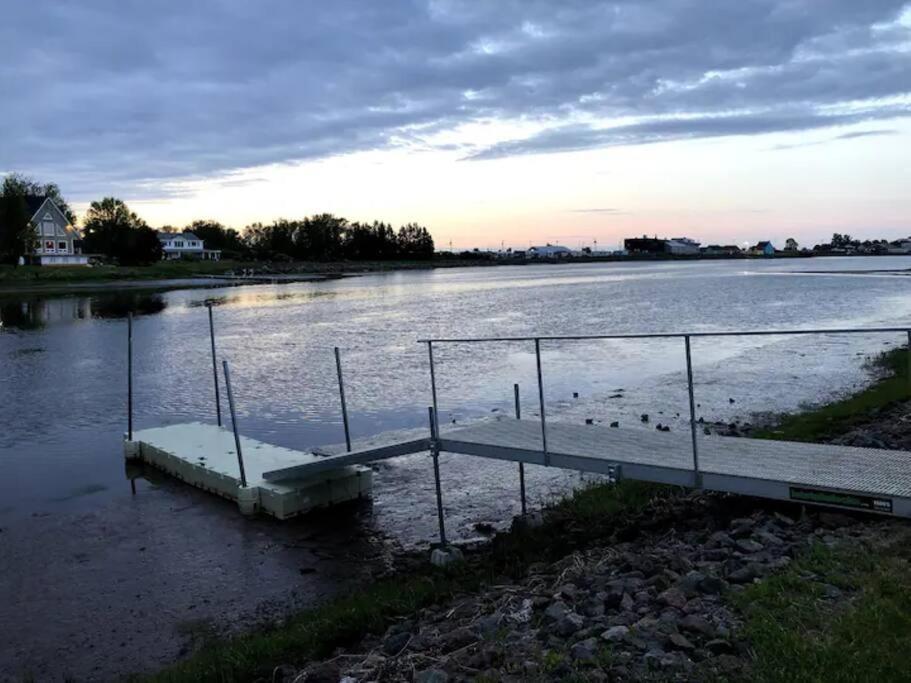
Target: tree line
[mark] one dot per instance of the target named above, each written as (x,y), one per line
(112,230)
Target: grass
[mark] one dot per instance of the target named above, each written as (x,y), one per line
(593,513)
(797,634)
(836,418)
(32,275)
(163,270)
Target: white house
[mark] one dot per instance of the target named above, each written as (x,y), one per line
(548,251)
(57,243)
(177,245)
(682,246)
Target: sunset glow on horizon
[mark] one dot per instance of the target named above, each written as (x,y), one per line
(490,123)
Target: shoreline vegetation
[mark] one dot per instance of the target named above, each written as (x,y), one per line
(831,603)
(188,274)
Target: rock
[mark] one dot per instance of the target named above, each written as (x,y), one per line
(747,545)
(444,557)
(615,424)
(556,611)
(644,417)
(745,574)
(680,642)
(569,624)
(769,538)
(697,624)
(673,597)
(487,626)
(324,673)
(585,651)
(456,639)
(395,643)
(835,520)
(615,634)
(432,676)
(627,603)
(718,646)
(589,421)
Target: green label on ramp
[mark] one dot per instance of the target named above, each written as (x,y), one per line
(847,500)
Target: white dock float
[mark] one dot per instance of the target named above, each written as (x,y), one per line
(205,456)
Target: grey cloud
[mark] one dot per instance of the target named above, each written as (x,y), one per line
(119,95)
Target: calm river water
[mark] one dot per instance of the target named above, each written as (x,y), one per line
(97,582)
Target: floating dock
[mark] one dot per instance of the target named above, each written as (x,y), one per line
(205,456)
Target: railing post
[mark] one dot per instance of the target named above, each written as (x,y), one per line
(521,465)
(435,454)
(909,360)
(541,401)
(433,388)
(697,475)
(240,456)
(341,391)
(214,364)
(130,376)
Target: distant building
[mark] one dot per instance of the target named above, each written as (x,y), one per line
(177,245)
(644,245)
(762,249)
(57,243)
(720,250)
(549,251)
(902,246)
(681,246)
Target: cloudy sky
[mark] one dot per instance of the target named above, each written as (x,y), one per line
(487,120)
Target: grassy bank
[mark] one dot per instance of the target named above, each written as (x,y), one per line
(841,614)
(165,270)
(819,424)
(595,512)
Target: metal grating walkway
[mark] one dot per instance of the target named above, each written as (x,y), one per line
(773,469)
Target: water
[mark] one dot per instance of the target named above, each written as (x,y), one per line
(76,543)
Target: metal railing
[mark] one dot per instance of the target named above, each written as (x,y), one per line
(686,336)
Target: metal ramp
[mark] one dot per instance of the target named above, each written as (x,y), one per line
(841,476)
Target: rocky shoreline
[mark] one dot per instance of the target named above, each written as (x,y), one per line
(654,605)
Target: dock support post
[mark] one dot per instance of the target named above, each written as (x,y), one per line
(214,363)
(129,376)
(541,401)
(433,388)
(240,456)
(909,360)
(341,391)
(435,454)
(446,554)
(697,475)
(521,465)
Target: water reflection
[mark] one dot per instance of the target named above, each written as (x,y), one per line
(33,313)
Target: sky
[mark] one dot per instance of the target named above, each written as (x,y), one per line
(491,122)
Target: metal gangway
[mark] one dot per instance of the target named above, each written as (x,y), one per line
(847,477)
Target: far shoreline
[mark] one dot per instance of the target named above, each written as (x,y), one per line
(167,276)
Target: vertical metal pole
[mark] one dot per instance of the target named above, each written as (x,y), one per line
(130,376)
(689,381)
(240,456)
(341,391)
(541,401)
(909,360)
(433,388)
(521,465)
(435,453)
(214,365)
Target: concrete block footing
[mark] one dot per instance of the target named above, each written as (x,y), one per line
(131,450)
(445,557)
(248,500)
